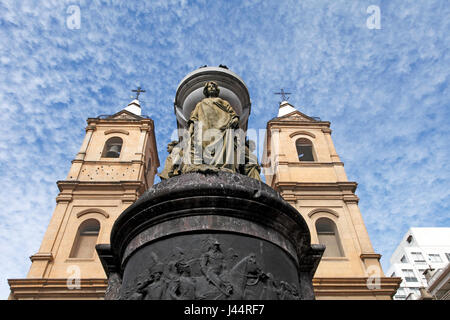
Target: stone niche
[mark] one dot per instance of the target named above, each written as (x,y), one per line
(232,89)
(210,236)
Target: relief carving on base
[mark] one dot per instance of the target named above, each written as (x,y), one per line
(211,275)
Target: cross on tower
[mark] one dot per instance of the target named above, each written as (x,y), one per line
(138,91)
(283,95)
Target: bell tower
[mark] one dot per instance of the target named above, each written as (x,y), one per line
(301,162)
(117,162)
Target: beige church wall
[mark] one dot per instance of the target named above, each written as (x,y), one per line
(97,188)
(349,264)
(130,141)
(78,211)
(109,170)
(307,172)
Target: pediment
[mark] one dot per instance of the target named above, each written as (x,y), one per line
(125,115)
(295,116)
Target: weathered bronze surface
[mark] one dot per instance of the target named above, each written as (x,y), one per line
(172,166)
(213,141)
(210,236)
(204,266)
(211,137)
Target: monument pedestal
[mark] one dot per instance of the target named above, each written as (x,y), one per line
(210,236)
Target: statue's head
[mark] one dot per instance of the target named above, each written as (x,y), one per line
(183,268)
(211,89)
(171,145)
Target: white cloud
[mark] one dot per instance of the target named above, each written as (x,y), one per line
(385,92)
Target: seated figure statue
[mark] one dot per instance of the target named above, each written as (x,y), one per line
(172,166)
(213,141)
(251,167)
(212,144)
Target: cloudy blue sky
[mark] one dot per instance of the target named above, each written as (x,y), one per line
(385,91)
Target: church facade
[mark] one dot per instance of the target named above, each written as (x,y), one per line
(301,162)
(118,161)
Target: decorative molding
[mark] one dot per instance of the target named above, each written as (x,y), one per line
(351,198)
(42,256)
(63,198)
(353,288)
(92,210)
(310,163)
(92,127)
(110,131)
(317,210)
(306,133)
(56,289)
(364,256)
(341,186)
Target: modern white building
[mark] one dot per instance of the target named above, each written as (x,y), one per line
(419,250)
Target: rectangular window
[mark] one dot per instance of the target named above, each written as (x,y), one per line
(85,246)
(421,271)
(418,257)
(409,275)
(332,247)
(400,294)
(435,257)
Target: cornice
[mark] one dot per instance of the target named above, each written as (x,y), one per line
(56,289)
(98,121)
(108,162)
(354,286)
(322,186)
(309,163)
(293,191)
(70,185)
(297,123)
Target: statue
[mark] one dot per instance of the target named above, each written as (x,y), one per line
(251,167)
(183,287)
(212,145)
(154,287)
(212,266)
(173,161)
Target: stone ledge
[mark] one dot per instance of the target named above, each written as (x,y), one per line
(34,288)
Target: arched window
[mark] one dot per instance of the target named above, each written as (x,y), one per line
(304,149)
(328,235)
(86,239)
(112,148)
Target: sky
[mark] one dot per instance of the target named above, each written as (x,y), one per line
(385,91)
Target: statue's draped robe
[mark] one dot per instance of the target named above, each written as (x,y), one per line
(251,167)
(212,142)
(172,164)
